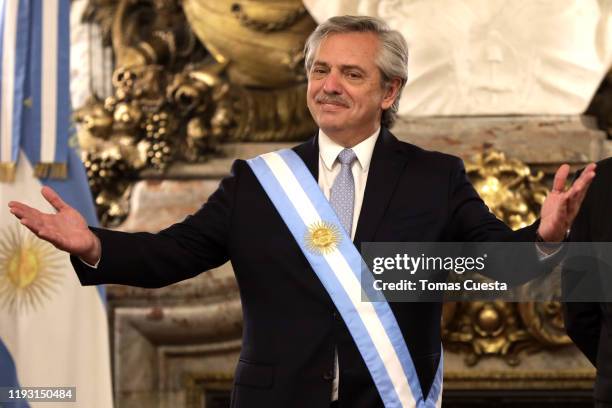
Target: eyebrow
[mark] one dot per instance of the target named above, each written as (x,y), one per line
(343,67)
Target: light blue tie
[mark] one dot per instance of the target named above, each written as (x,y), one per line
(342,194)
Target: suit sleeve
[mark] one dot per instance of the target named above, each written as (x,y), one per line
(181,251)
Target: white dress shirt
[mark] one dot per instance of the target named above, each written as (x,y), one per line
(329,168)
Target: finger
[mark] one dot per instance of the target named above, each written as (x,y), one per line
(31,225)
(590,170)
(560,178)
(21,210)
(583,182)
(53,198)
(17,204)
(579,189)
(17,208)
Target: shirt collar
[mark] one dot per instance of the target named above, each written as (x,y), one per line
(329,150)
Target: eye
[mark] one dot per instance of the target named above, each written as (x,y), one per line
(354,75)
(319,70)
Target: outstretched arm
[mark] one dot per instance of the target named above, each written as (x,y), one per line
(181,251)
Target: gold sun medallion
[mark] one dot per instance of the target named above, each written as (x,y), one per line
(29,269)
(322,237)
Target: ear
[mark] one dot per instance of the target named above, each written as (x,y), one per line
(391,93)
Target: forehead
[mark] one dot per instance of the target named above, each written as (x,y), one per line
(348,49)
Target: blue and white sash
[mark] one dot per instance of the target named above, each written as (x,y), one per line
(338,265)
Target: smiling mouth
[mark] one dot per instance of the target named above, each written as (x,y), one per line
(332,105)
(331,108)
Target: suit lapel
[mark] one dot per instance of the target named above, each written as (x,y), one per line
(385,168)
(309,153)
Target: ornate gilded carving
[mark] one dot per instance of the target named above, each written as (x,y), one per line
(507,186)
(263,39)
(190,76)
(499,328)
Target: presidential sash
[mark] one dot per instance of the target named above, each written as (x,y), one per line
(338,265)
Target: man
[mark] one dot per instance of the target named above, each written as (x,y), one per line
(299,348)
(590,324)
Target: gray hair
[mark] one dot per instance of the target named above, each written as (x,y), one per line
(392,58)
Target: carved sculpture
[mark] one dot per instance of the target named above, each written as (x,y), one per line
(496,57)
(189,76)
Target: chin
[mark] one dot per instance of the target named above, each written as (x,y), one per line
(331,121)
(329,126)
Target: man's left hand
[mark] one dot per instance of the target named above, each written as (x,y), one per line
(561,206)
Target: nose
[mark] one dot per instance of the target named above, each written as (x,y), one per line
(332,83)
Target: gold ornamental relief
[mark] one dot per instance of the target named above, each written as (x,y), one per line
(508,187)
(190,76)
(262,39)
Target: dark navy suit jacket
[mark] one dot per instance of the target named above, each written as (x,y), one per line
(291,327)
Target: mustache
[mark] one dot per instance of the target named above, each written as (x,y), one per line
(332,99)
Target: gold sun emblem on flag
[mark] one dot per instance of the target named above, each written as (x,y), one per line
(322,237)
(29,269)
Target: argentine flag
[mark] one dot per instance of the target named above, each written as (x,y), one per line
(53,332)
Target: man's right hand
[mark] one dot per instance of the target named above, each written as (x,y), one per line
(66,230)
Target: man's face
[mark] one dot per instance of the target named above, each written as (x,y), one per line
(344,85)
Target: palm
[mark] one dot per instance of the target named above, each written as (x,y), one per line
(66,230)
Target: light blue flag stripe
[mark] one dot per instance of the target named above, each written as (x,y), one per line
(21,63)
(63,83)
(8,376)
(32,117)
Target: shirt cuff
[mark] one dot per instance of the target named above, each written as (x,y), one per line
(95,266)
(545,250)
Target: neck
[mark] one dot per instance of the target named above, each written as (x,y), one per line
(349,138)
